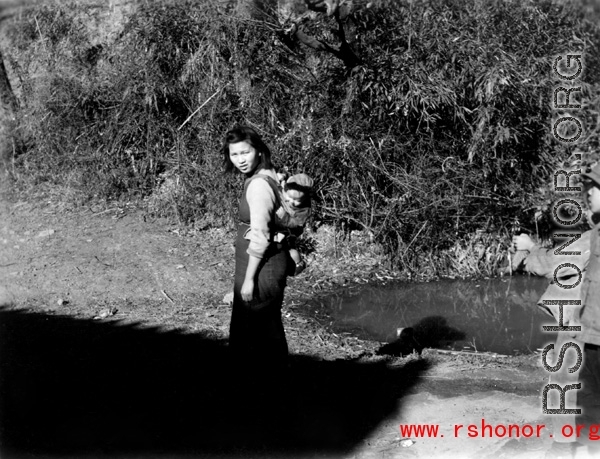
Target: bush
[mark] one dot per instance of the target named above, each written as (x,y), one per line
(441,134)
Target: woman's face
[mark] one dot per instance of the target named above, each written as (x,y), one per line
(244,157)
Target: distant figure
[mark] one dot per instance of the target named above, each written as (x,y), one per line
(588,317)
(533,258)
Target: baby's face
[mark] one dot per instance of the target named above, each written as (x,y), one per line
(294,198)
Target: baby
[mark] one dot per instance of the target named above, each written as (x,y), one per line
(294,212)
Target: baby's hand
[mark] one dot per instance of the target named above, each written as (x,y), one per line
(281,177)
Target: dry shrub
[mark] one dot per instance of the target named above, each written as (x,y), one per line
(440,137)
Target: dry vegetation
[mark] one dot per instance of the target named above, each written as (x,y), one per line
(438,146)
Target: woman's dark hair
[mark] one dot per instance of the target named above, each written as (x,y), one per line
(246,134)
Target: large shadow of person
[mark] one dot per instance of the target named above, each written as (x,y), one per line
(83,388)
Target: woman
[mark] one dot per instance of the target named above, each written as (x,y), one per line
(256,334)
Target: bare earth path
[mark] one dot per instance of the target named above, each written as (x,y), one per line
(113,266)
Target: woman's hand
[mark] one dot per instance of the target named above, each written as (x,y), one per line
(523,242)
(247,291)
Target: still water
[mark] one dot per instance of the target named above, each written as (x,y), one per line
(495,315)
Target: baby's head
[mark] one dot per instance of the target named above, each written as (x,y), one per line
(297,190)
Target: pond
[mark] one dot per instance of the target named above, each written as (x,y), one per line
(493,315)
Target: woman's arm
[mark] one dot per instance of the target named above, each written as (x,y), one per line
(261,202)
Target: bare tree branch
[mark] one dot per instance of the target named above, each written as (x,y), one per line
(344,52)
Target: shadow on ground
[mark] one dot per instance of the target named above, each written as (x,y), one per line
(84,388)
(433,332)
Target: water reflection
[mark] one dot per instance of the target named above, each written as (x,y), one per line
(495,315)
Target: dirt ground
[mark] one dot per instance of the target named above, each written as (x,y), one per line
(75,282)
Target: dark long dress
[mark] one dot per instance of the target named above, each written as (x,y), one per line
(256,333)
